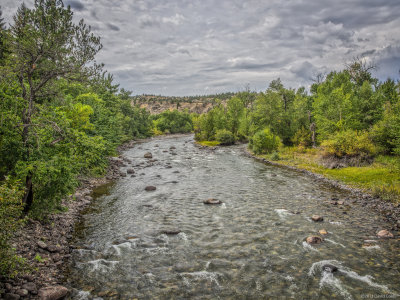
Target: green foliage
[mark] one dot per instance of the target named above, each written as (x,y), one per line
(173,122)
(264,141)
(225,137)
(10,221)
(302,138)
(349,143)
(274,156)
(38,258)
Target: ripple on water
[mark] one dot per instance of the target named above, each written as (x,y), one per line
(252,246)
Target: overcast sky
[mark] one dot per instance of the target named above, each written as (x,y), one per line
(189,47)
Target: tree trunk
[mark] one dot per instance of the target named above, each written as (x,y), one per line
(28,197)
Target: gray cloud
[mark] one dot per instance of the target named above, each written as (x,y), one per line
(113,27)
(75,5)
(182,47)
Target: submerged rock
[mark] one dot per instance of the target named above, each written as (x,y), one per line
(317,218)
(314,239)
(148,155)
(171,232)
(150,188)
(212,201)
(130,171)
(385,234)
(323,232)
(172,148)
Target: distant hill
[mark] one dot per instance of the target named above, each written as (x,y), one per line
(197,104)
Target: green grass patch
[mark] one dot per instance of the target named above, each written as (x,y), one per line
(382,178)
(208,143)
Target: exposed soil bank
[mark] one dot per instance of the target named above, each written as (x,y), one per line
(46,244)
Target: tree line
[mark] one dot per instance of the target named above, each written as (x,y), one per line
(348,113)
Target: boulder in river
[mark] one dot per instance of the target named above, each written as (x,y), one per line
(385,234)
(212,201)
(53,292)
(172,148)
(329,268)
(317,218)
(150,188)
(130,171)
(148,155)
(314,239)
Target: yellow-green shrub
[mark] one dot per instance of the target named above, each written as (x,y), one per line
(349,143)
(264,141)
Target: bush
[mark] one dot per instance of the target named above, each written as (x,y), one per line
(349,143)
(302,138)
(10,221)
(225,137)
(264,141)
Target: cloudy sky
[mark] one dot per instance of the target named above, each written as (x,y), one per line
(189,47)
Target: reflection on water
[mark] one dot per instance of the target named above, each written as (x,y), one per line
(251,247)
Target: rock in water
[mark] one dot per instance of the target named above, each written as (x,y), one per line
(53,292)
(314,239)
(317,218)
(130,171)
(172,148)
(212,201)
(385,234)
(148,155)
(150,188)
(329,268)
(171,232)
(323,232)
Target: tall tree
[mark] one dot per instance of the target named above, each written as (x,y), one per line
(47,46)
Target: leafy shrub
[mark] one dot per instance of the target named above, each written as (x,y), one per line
(302,138)
(225,137)
(11,207)
(349,143)
(275,156)
(264,141)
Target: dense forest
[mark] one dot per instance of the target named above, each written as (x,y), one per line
(62,115)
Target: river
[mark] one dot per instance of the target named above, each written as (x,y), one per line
(250,247)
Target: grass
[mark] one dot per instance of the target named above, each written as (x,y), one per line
(208,143)
(381,178)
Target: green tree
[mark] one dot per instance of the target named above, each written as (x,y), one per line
(46,45)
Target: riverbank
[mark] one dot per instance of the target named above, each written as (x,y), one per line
(45,245)
(367,182)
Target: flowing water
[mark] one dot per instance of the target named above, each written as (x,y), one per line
(250,247)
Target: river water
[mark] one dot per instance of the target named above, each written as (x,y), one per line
(250,247)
